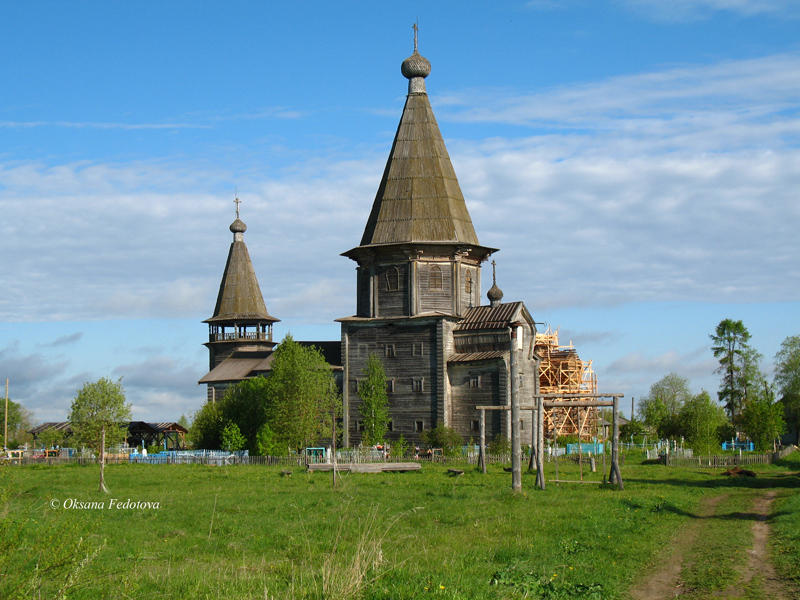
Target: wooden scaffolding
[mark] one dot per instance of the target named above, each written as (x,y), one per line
(563,372)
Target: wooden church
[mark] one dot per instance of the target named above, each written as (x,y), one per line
(418,300)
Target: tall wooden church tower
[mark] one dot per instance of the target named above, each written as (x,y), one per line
(418,279)
(241,328)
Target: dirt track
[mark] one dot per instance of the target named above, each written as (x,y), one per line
(666,581)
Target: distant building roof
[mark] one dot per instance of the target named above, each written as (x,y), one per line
(57,425)
(490,317)
(132,426)
(477,356)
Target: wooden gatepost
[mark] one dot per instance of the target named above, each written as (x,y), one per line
(543,402)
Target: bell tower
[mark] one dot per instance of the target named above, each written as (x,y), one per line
(241,321)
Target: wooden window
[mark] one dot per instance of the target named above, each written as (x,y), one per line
(474,381)
(418,349)
(418,384)
(521,381)
(393,279)
(475,425)
(521,425)
(388,350)
(390,386)
(435,278)
(363,350)
(359,425)
(468,282)
(390,425)
(419,425)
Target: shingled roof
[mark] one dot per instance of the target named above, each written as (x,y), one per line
(419,199)
(239,295)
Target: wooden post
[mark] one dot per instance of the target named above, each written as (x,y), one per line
(615,476)
(516,446)
(534,440)
(103,487)
(555,448)
(482,455)
(5,422)
(333,444)
(540,443)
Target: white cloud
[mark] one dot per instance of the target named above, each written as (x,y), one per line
(676,185)
(737,102)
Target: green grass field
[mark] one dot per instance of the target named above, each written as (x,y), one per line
(248,532)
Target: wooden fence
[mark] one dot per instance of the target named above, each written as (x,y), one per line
(283,461)
(720,461)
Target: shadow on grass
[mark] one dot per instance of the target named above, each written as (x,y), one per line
(762,481)
(732,516)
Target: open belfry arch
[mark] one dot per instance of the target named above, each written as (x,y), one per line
(563,372)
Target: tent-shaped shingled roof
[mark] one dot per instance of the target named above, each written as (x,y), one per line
(239,295)
(419,198)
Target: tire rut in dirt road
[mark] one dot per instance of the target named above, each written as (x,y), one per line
(758,564)
(759,573)
(665,582)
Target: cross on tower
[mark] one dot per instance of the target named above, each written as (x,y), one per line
(416,31)
(237,202)
(494,271)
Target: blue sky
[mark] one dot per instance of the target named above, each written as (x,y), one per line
(636,161)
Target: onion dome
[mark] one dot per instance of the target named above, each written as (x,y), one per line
(416,65)
(238,226)
(495,294)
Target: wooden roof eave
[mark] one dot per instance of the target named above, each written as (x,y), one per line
(476,251)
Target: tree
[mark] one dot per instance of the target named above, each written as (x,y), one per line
(207,425)
(247,404)
(51,437)
(738,364)
(293,407)
(98,416)
(232,438)
(762,419)
(20,420)
(303,399)
(787,380)
(659,410)
(634,431)
(701,419)
(374,402)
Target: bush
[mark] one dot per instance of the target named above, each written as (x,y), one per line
(633,430)
(443,437)
(499,445)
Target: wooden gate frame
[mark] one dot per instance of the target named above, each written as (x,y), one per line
(557,401)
